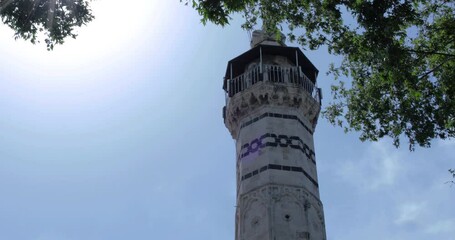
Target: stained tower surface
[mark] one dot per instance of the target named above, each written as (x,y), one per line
(272,107)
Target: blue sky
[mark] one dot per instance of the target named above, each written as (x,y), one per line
(119,135)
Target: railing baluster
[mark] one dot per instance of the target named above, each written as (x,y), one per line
(275,74)
(272,73)
(242,81)
(234,87)
(245,82)
(277,77)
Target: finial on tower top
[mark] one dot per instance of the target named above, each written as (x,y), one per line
(266,38)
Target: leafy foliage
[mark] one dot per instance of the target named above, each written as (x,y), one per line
(398,54)
(56,19)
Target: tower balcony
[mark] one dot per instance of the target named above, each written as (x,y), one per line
(272,76)
(290,76)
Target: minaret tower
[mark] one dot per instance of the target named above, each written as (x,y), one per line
(272,107)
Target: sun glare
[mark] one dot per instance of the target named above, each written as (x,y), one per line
(118,27)
(117,50)
(91,63)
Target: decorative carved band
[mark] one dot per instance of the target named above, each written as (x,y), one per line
(274,140)
(269,94)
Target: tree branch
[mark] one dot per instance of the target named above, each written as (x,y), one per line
(435,68)
(431,52)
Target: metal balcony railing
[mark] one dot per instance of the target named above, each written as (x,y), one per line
(272,73)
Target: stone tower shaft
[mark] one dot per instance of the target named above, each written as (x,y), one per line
(272,107)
